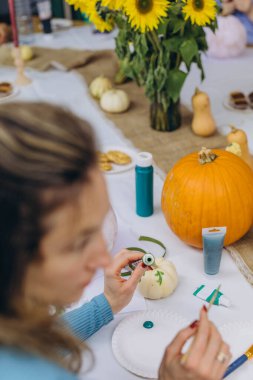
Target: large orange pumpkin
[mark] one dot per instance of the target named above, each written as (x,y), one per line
(208,189)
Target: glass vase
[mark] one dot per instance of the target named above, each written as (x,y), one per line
(165,120)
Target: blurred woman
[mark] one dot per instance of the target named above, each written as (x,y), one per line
(53,202)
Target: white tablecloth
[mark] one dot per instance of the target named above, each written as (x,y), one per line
(68,89)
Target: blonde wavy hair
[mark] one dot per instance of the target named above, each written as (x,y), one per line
(42,147)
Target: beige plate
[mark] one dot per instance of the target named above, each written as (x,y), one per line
(227,105)
(120,168)
(9,96)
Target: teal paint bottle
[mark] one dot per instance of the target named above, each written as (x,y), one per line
(144,184)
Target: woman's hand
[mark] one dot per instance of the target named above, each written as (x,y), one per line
(119,291)
(207,358)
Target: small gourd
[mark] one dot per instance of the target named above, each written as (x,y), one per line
(99,86)
(234,148)
(240,137)
(114,101)
(203,123)
(159,282)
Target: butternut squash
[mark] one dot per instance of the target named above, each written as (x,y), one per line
(240,137)
(203,123)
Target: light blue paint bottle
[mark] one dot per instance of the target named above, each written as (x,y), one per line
(144,184)
(213,241)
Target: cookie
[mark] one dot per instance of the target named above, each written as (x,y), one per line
(240,104)
(237,95)
(105,166)
(102,157)
(250,97)
(5,88)
(238,100)
(118,157)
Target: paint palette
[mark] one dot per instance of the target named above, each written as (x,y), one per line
(139,341)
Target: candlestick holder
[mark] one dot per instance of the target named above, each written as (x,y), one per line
(22,79)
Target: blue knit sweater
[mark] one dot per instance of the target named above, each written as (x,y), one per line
(84,321)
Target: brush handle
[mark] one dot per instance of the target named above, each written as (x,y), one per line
(237,363)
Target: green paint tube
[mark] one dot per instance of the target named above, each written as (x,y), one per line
(205,293)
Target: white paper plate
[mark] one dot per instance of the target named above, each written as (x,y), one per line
(140,350)
(239,335)
(227,105)
(10,96)
(120,168)
(110,229)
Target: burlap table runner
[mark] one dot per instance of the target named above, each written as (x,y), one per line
(166,148)
(44,59)
(242,253)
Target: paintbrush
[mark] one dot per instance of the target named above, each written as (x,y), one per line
(239,361)
(213,298)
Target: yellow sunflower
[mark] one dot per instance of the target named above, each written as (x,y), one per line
(95,18)
(112,4)
(145,15)
(79,4)
(201,12)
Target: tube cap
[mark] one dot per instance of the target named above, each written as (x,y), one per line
(144,159)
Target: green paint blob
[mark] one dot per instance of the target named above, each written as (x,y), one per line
(148,324)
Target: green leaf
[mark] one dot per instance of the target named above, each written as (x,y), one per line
(159,274)
(200,66)
(162,27)
(173,44)
(202,44)
(160,77)
(150,86)
(175,83)
(175,9)
(188,50)
(178,26)
(141,45)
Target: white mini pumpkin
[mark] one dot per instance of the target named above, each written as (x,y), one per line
(114,101)
(159,282)
(26,52)
(99,86)
(229,40)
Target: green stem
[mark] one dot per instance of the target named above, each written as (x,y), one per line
(154,41)
(178,59)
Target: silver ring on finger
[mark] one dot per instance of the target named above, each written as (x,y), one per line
(221,357)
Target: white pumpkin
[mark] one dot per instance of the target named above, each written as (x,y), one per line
(114,101)
(229,40)
(26,52)
(159,282)
(99,86)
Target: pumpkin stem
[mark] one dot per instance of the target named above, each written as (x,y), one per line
(196,91)
(206,155)
(233,129)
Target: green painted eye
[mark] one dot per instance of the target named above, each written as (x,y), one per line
(148,259)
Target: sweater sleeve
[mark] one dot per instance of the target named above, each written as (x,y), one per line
(89,318)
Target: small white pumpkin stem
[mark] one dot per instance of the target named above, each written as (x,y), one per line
(206,156)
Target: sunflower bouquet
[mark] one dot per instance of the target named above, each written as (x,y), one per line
(157,42)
